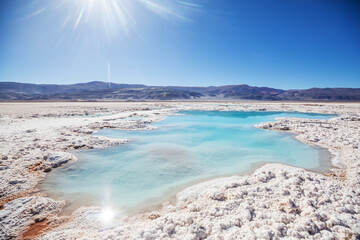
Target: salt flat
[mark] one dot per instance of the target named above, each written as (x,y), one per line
(273,202)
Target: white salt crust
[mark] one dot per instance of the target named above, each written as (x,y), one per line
(274,202)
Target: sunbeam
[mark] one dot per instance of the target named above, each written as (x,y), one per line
(111,17)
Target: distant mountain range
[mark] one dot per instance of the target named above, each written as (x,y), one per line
(98,91)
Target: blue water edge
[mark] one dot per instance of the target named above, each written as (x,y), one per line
(183,150)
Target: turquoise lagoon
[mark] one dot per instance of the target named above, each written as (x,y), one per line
(183,150)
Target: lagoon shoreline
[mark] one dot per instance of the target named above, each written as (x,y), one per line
(275,201)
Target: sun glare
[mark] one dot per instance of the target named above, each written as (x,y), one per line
(107,215)
(110,16)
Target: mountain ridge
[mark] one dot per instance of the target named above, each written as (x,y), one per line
(97,91)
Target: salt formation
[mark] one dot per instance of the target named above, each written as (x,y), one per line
(276,201)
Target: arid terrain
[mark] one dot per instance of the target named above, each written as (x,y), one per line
(275,201)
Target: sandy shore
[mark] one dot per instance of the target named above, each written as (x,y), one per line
(276,201)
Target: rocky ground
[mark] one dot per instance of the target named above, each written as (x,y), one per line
(276,201)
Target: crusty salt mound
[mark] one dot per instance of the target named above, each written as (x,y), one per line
(276,201)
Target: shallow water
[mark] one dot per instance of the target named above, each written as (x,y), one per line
(184,149)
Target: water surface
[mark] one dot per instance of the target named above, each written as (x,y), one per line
(183,149)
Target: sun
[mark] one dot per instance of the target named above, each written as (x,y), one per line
(112,16)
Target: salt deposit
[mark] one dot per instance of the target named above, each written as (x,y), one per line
(276,201)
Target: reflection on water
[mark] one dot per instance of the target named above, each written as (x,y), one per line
(184,149)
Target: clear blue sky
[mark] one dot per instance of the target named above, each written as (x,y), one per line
(279,43)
